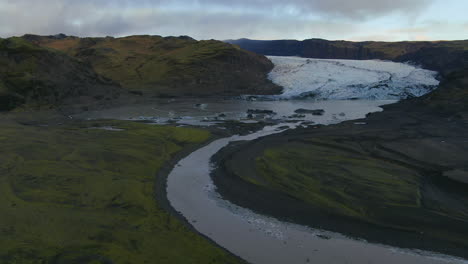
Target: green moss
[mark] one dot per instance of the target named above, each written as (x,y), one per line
(18,45)
(452,95)
(74,194)
(148,62)
(338,181)
(43,77)
(359,181)
(3,88)
(28,63)
(19,76)
(162,63)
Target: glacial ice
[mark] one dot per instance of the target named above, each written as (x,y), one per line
(350,79)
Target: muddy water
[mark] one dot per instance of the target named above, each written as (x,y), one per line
(208,111)
(264,240)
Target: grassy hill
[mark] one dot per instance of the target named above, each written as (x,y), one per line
(169,66)
(31,75)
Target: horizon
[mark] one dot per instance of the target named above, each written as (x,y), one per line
(225,40)
(360,20)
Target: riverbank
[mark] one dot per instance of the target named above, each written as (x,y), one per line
(233,128)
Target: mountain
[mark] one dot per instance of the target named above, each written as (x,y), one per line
(31,75)
(51,71)
(169,66)
(441,56)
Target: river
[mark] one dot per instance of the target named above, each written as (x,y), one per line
(261,239)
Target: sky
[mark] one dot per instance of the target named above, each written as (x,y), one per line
(356,20)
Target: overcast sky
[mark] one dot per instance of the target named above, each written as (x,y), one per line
(389,20)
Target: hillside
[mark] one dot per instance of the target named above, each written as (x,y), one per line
(169,66)
(442,56)
(31,75)
(452,97)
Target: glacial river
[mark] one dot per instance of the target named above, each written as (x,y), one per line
(260,239)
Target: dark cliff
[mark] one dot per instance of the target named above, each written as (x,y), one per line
(442,56)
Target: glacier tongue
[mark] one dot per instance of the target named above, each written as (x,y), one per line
(350,79)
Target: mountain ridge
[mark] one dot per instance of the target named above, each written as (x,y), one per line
(169,66)
(433,55)
(60,70)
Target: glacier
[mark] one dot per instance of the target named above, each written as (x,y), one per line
(349,79)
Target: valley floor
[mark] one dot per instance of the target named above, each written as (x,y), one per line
(83,192)
(397,177)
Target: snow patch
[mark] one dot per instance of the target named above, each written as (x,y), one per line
(350,79)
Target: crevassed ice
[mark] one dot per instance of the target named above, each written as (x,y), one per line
(350,79)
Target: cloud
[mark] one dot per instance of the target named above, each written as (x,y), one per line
(370,8)
(100,18)
(220,19)
(428,30)
(356,9)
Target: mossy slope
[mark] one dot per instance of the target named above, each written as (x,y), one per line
(452,96)
(77,194)
(389,182)
(31,75)
(339,181)
(170,66)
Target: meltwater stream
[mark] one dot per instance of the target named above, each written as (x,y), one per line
(265,240)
